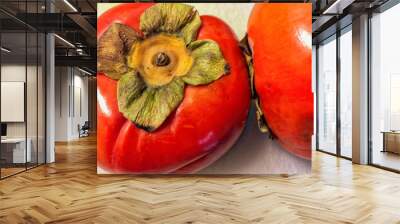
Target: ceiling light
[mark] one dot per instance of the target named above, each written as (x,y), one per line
(337,7)
(64,40)
(84,71)
(5,50)
(331,7)
(80,51)
(70,5)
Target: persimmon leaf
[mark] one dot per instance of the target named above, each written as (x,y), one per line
(112,48)
(148,107)
(173,18)
(209,63)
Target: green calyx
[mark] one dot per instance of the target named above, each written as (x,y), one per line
(148,107)
(152,70)
(112,47)
(180,19)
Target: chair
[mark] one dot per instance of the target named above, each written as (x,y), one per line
(84,130)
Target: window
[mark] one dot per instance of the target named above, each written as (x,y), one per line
(327,95)
(385,89)
(22,76)
(335,74)
(346,93)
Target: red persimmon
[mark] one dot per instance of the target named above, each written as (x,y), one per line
(279,36)
(204,124)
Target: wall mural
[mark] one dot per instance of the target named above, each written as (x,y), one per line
(179,93)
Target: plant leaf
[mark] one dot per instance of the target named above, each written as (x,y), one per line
(209,63)
(171,18)
(112,48)
(189,31)
(245,47)
(148,107)
(262,123)
(130,87)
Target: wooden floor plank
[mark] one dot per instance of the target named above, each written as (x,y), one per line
(70,191)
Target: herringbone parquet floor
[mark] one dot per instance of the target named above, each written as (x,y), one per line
(70,191)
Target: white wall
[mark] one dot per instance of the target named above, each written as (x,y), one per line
(79,103)
(71,93)
(9,73)
(61,103)
(16,73)
(33,127)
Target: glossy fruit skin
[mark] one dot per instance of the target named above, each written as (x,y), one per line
(206,124)
(279,36)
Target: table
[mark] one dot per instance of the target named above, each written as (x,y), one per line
(13,150)
(391,141)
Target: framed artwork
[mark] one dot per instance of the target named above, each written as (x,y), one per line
(206,88)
